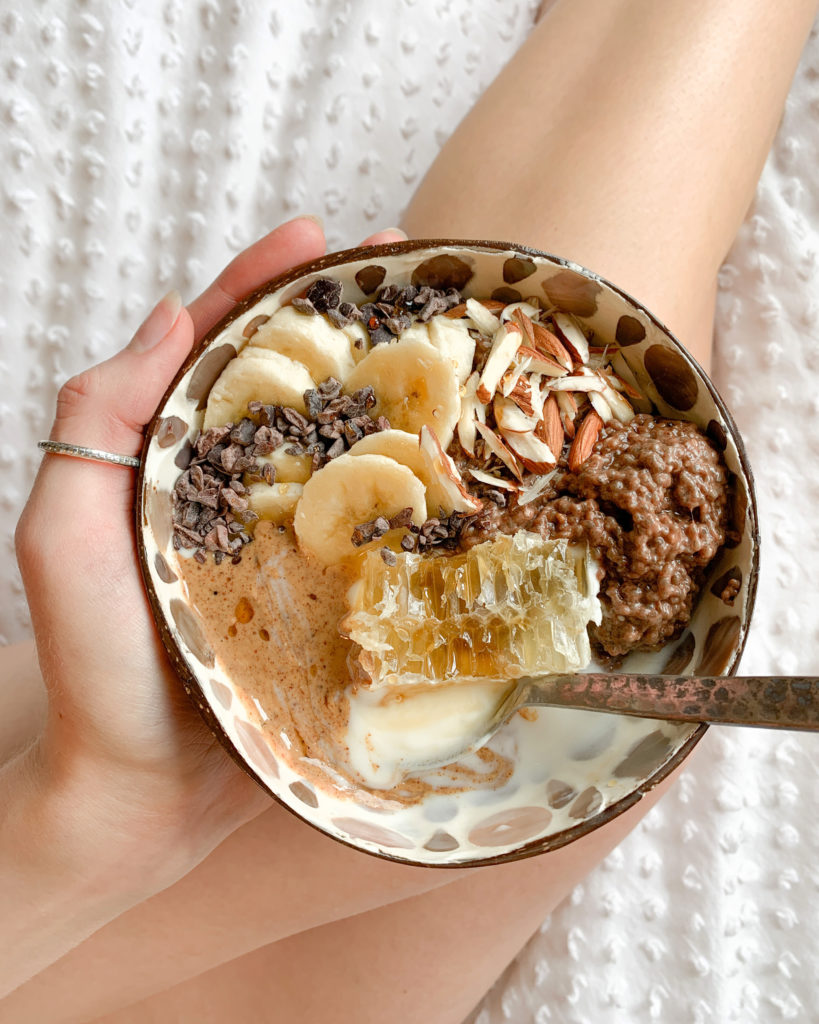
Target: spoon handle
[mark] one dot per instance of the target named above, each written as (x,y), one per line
(774,702)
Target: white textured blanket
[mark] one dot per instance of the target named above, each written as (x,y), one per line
(144,143)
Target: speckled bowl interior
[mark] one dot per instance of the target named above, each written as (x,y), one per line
(574,770)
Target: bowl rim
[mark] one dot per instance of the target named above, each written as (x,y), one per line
(188,678)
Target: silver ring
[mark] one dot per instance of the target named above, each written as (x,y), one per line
(93,454)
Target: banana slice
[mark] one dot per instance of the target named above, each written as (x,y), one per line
(295,469)
(276,502)
(325,350)
(359,339)
(415,386)
(349,491)
(395,444)
(272,379)
(452,339)
(408,450)
(416,332)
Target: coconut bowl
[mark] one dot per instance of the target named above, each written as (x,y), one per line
(574,771)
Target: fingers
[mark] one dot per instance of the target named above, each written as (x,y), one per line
(296,242)
(109,405)
(386,236)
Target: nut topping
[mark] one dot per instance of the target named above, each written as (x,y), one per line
(584,439)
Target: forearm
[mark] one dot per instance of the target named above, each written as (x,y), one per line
(56,885)
(627,135)
(271,879)
(71,859)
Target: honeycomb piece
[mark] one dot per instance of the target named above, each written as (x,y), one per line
(516,605)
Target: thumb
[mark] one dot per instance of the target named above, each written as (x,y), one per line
(107,406)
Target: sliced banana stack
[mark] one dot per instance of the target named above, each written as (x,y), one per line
(422,454)
(257,375)
(453,340)
(359,339)
(288,468)
(276,502)
(325,350)
(450,337)
(414,386)
(395,444)
(347,492)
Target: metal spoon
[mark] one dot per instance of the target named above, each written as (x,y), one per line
(772,702)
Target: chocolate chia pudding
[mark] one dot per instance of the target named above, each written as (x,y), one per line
(426,495)
(651,501)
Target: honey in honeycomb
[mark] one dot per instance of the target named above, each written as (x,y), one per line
(516,605)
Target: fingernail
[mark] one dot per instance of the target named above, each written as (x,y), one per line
(397,231)
(315,218)
(157,324)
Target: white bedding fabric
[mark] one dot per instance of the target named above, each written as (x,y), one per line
(145,142)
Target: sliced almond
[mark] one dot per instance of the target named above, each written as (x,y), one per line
(517,309)
(597,360)
(486,321)
(496,447)
(601,406)
(577,382)
(524,398)
(620,407)
(567,404)
(571,336)
(472,409)
(633,383)
(550,345)
(510,379)
(539,363)
(584,440)
(619,384)
(535,454)
(526,326)
(534,486)
(505,345)
(494,481)
(493,305)
(448,491)
(510,417)
(536,396)
(550,428)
